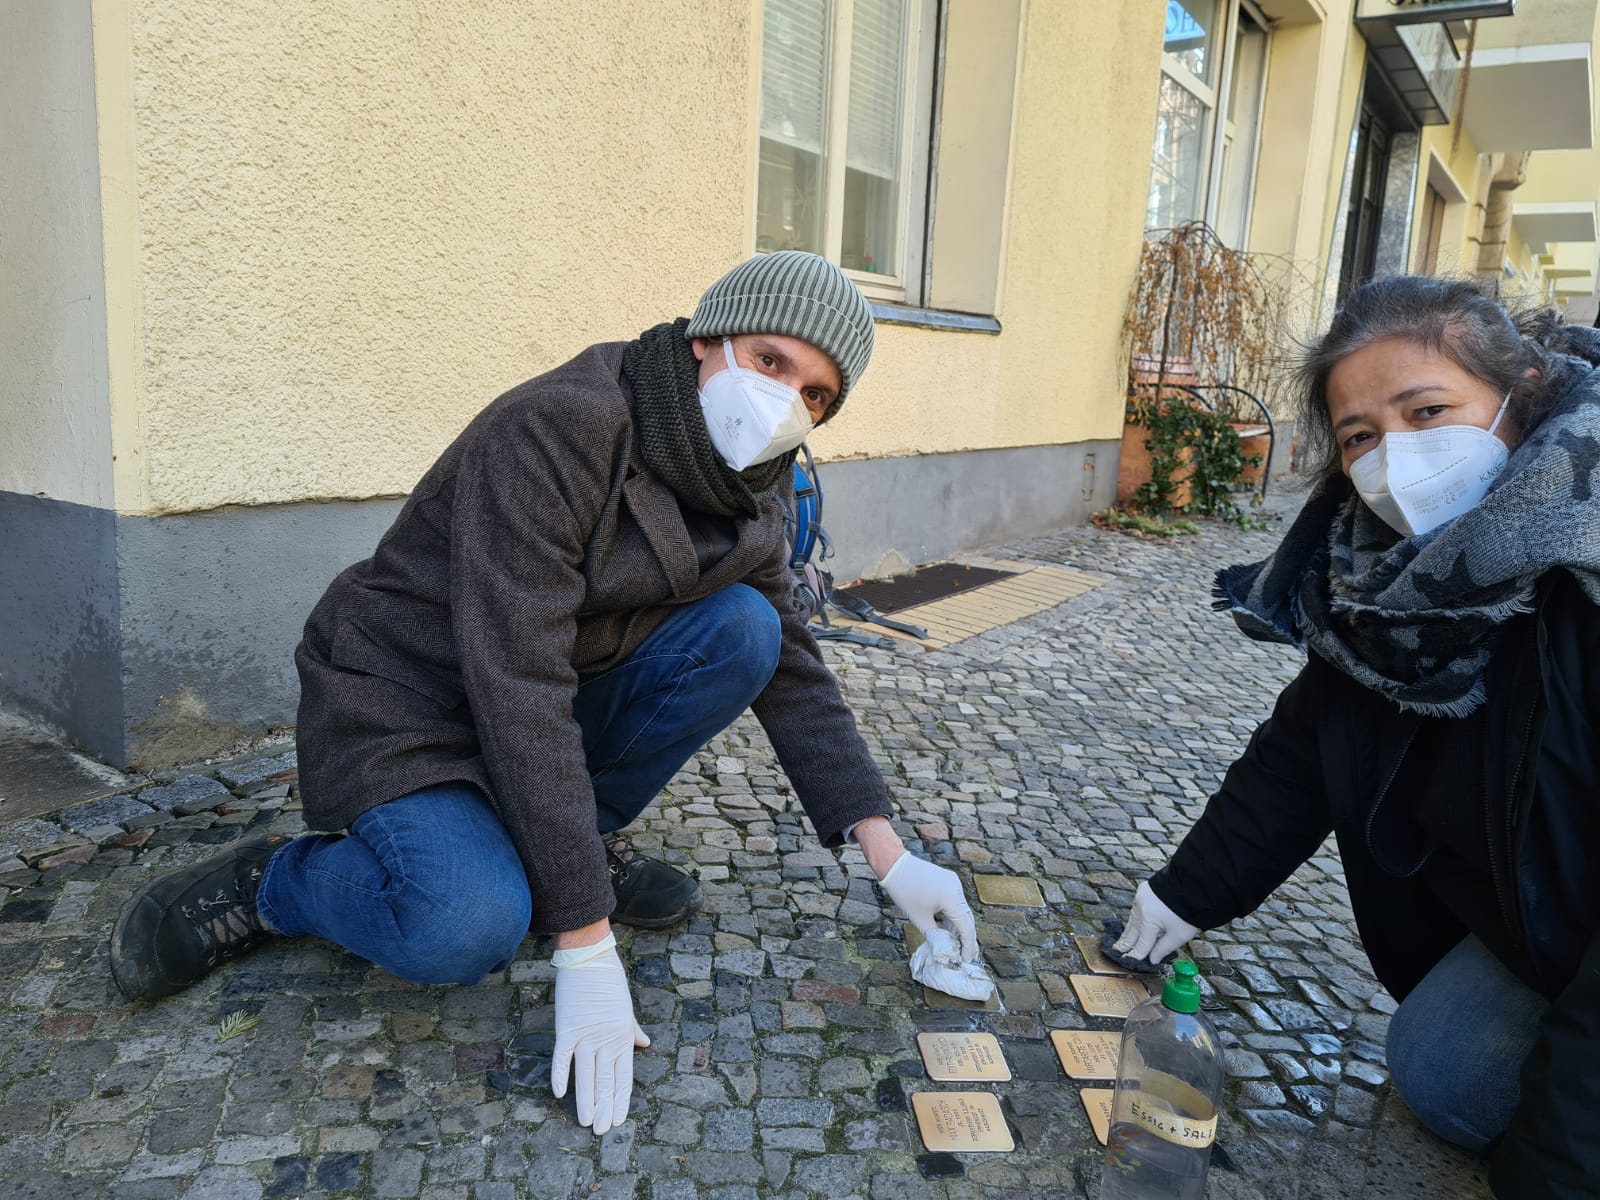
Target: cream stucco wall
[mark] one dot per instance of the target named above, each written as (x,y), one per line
(1464,169)
(1313,85)
(357,224)
(55,417)
(350,227)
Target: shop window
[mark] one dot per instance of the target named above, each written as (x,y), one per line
(1208,116)
(846,98)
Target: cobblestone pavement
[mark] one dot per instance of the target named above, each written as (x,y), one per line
(1075,746)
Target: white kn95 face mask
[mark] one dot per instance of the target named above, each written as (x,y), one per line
(751,418)
(1418,480)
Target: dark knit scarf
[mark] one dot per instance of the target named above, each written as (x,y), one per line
(1416,619)
(664,374)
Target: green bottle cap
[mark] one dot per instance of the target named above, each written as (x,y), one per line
(1182,990)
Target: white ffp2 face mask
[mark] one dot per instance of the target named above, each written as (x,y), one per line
(1416,481)
(751,418)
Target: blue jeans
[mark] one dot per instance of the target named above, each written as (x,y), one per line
(430,887)
(1457,1044)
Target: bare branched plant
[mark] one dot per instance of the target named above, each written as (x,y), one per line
(1202,312)
(1199,301)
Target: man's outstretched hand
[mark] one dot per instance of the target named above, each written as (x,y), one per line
(924,891)
(595,1033)
(927,893)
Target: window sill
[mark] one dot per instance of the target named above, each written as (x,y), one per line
(931,318)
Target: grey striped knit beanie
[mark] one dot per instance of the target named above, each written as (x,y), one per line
(799,295)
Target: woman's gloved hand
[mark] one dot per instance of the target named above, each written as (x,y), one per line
(596,1030)
(1153,931)
(926,893)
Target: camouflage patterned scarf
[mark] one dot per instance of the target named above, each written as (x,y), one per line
(1416,619)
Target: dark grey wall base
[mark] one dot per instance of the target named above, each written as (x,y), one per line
(152,641)
(212,608)
(888,514)
(60,651)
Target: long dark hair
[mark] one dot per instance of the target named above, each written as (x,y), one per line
(1451,317)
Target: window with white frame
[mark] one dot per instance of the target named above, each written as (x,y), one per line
(1208,116)
(846,101)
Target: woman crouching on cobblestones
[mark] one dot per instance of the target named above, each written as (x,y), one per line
(1443,576)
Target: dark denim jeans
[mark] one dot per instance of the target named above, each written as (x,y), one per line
(429,886)
(1457,1044)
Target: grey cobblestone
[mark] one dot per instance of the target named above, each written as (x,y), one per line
(1075,746)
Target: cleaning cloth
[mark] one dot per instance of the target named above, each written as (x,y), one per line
(1108,947)
(937,964)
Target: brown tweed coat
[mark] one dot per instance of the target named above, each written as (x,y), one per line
(538,548)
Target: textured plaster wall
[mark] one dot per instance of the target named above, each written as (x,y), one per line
(1540,23)
(1313,83)
(1086,123)
(1471,172)
(55,418)
(353,226)
(358,223)
(1562,177)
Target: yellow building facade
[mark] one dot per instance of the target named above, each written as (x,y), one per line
(269,259)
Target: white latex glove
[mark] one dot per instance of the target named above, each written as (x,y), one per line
(595,1027)
(926,892)
(1153,930)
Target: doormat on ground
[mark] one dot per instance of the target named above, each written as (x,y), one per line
(1014,590)
(933,582)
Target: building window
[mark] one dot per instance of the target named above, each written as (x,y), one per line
(1203,162)
(846,98)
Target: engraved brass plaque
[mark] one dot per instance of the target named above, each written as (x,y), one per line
(914,938)
(961,1121)
(1097,1103)
(1087,1053)
(1094,958)
(1016,890)
(962,1057)
(937,999)
(1108,995)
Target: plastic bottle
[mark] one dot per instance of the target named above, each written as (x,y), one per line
(1164,1114)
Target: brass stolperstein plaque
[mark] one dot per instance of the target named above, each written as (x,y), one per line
(937,999)
(1094,958)
(1112,996)
(1087,1053)
(1108,995)
(1016,890)
(961,1121)
(962,1057)
(1097,1103)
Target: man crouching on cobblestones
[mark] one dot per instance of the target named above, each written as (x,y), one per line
(589,584)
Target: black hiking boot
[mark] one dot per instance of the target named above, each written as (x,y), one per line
(175,929)
(650,894)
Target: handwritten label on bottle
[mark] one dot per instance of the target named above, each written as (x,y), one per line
(1172,1110)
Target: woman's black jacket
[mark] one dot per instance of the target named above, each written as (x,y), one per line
(1324,761)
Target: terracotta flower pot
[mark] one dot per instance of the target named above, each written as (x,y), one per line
(1254,442)
(1133,470)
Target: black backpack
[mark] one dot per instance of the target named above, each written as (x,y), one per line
(809,549)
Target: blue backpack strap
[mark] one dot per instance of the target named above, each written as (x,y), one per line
(807,508)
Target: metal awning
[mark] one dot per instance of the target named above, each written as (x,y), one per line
(1417,51)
